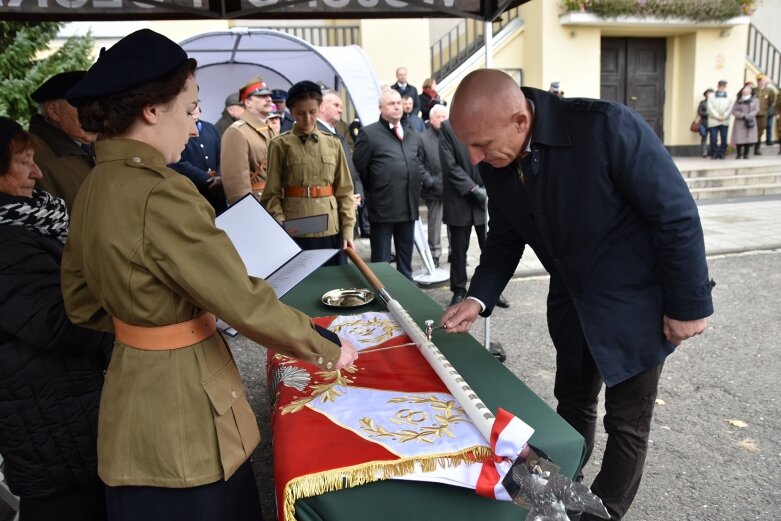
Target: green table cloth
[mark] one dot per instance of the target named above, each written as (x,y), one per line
(396,500)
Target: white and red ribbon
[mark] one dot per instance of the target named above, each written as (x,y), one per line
(509,436)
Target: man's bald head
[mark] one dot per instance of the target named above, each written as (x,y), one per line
(489,114)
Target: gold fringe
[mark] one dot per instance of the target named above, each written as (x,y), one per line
(338,479)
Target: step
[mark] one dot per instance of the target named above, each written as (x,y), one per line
(738,180)
(729,192)
(732,169)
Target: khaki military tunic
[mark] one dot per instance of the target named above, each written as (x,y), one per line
(767,99)
(243,152)
(142,247)
(319,161)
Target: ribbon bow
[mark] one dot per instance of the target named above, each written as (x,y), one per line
(305,137)
(509,436)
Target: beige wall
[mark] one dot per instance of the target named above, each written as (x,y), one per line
(394,43)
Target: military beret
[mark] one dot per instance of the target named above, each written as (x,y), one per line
(300,89)
(57,86)
(136,59)
(256,87)
(232,99)
(8,129)
(278,94)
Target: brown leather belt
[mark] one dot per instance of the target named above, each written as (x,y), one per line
(166,338)
(258,186)
(308,191)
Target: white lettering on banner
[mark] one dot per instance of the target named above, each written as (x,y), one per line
(368,3)
(396,3)
(144,6)
(107,3)
(262,3)
(71,4)
(200,4)
(330,3)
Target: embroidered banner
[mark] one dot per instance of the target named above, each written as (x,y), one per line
(389,416)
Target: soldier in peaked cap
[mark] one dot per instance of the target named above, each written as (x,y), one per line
(65,153)
(175,428)
(245,144)
(279,97)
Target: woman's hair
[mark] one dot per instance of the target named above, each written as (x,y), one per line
(707,91)
(428,83)
(305,96)
(113,115)
(21,142)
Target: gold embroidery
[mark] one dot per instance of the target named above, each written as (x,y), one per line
(451,413)
(326,390)
(367,328)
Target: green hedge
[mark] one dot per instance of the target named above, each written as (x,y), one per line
(700,10)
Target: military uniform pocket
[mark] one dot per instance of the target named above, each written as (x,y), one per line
(234,421)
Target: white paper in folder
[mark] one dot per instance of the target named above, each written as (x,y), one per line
(267,250)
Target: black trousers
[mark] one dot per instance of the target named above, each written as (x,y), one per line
(459,245)
(233,500)
(325,243)
(629,407)
(403,234)
(79,504)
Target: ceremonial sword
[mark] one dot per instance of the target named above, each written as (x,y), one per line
(533,480)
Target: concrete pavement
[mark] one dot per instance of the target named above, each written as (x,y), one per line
(730,225)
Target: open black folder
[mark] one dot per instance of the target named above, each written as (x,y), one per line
(265,247)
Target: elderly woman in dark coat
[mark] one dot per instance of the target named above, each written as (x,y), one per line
(744,131)
(51,372)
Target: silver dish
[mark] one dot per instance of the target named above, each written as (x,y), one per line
(348,297)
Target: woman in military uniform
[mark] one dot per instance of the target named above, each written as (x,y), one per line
(175,429)
(308,175)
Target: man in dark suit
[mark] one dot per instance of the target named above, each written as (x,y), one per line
(388,157)
(328,118)
(588,185)
(405,89)
(464,207)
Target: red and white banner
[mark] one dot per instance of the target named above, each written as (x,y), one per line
(389,416)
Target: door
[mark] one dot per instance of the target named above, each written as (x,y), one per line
(632,73)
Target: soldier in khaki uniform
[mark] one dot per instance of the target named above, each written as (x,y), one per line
(245,144)
(766,93)
(175,428)
(64,153)
(308,175)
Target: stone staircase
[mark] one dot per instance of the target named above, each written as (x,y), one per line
(729,178)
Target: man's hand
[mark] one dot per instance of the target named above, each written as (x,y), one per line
(215,184)
(358,200)
(349,354)
(676,331)
(459,318)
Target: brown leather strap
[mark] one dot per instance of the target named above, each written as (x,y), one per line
(308,191)
(258,186)
(166,338)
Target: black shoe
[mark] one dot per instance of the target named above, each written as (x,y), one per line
(436,262)
(457,298)
(502,302)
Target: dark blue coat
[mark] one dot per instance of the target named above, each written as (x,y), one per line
(202,154)
(609,216)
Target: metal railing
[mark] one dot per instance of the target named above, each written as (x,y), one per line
(763,54)
(462,41)
(324,35)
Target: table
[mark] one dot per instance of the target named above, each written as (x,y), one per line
(395,500)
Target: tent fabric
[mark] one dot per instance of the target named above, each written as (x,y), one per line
(229,59)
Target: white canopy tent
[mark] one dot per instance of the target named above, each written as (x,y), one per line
(229,59)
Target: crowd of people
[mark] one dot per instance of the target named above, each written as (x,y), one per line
(121,399)
(752,113)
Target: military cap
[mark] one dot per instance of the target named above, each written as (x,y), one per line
(232,99)
(274,112)
(8,129)
(136,59)
(300,89)
(57,86)
(256,87)
(278,94)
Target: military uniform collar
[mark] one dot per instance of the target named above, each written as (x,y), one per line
(253,120)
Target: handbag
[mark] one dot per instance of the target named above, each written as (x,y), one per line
(695,126)
(750,122)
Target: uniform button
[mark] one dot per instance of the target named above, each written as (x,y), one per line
(329,365)
(234,394)
(201,145)
(136,159)
(206,157)
(319,360)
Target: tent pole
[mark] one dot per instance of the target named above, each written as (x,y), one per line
(488,33)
